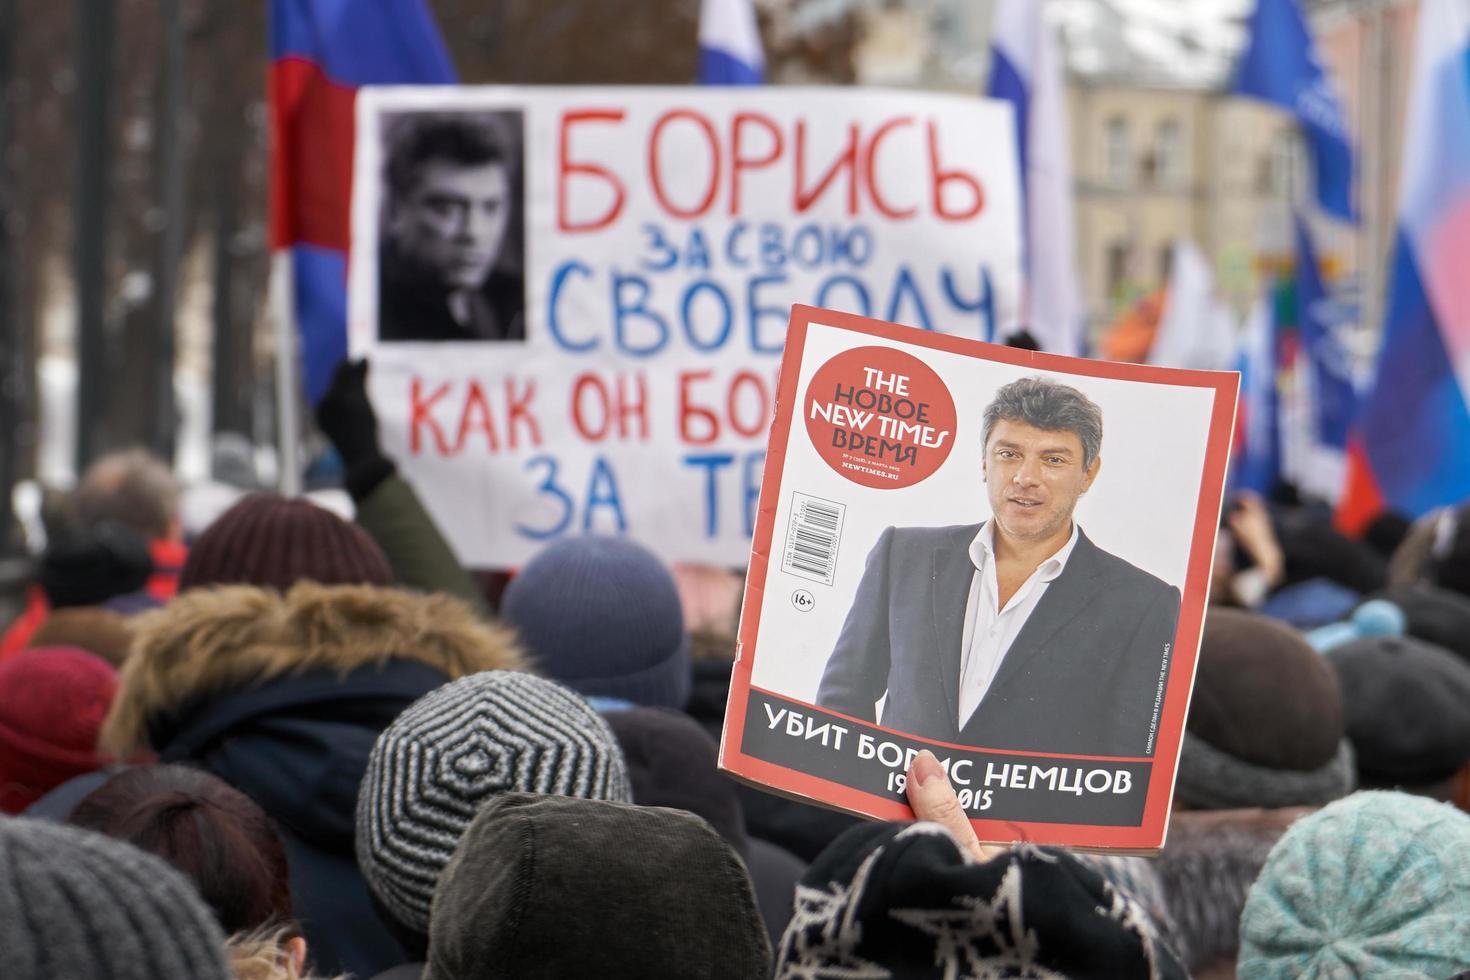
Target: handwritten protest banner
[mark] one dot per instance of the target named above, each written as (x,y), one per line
(575,300)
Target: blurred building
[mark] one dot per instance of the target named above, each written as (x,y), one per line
(1160,152)
(1154,164)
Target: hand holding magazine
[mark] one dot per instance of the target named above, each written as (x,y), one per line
(999,555)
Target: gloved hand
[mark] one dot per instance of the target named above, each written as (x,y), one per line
(347,418)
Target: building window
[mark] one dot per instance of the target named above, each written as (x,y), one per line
(1169,153)
(1117,153)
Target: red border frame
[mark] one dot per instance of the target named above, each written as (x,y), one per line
(1149,835)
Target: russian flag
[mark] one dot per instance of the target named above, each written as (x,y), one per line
(1025,71)
(1280,66)
(1411,452)
(322,51)
(729,44)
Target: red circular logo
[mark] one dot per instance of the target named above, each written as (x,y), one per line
(880,417)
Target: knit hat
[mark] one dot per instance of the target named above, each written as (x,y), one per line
(275,541)
(52,702)
(548,887)
(1265,723)
(1376,617)
(602,615)
(458,746)
(79,905)
(903,900)
(1374,885)
(1408,709)
(1434,615)
(88,566)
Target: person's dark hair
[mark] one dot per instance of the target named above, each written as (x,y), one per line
(208,830)
(131,487)
(468,141)
(1023,339)
(1050,406)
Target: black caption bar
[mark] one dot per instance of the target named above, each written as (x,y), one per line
(991,785)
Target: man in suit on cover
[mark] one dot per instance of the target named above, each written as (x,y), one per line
(1018,633)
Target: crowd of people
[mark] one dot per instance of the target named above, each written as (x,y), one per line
(297,745)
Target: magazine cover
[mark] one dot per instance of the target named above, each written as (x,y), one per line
(999,555)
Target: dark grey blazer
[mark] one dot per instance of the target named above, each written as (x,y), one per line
(1080,678)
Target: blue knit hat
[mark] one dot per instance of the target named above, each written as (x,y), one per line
(602,615)
(1376,884)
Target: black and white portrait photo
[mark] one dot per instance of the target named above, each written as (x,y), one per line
(451,230)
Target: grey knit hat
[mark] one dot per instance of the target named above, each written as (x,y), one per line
(78,905)
(458,746)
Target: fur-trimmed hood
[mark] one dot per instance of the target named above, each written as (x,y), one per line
(206,643)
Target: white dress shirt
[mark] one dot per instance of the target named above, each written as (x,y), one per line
(990,630)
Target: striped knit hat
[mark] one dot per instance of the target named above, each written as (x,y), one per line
(82,906)
(275,542)
(453,749)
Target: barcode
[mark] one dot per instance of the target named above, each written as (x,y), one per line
(811,542)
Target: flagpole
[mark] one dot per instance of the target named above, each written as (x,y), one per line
(310,142)
(288,387)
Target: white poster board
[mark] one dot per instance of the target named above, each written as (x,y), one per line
(575,299)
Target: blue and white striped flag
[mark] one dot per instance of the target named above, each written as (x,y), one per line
(1025,70)
(729,44)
